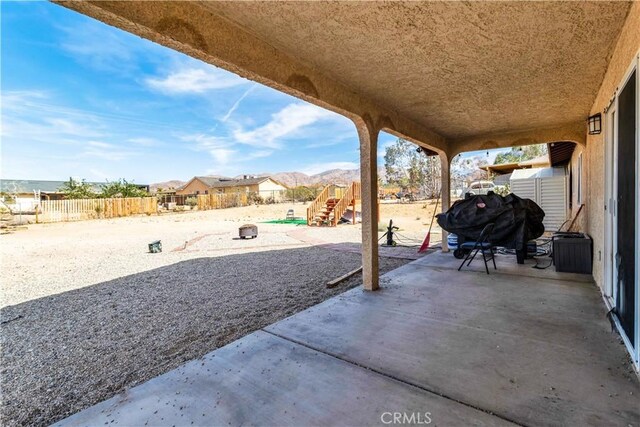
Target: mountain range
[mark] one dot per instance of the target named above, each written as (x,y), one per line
(291,179)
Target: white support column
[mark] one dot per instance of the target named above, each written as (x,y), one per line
(369,179)
(445,177)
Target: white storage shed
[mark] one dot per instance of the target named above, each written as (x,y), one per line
(549,188)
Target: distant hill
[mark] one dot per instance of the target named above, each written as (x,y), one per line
(333,176)
(290,179)
(173,184)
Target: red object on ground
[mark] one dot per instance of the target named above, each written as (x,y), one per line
(427,239)
(425,244)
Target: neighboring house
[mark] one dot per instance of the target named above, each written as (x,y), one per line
(264,186)
(39,190)
(22,195)
(501,173)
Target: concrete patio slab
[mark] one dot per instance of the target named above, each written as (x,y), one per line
(265,380)
(506,264)
(466,347)
(532,350)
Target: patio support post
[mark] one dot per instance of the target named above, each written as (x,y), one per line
(445,193)
(368,135)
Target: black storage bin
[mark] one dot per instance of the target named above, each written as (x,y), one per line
(572,253)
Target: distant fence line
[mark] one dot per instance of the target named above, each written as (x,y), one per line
(221,201)
(83,209)
(224,200)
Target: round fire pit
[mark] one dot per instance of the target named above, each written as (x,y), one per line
(248,230)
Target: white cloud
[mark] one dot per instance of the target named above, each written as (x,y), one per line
(106,151)
(26,115)
(285,123)
(99,175)
(227,160)
(145,142)
(222,156)
(315,168)
(17,97)
(99,47)
(71,127)
(206,142)
(48,130)
(260,154)
(335,138)
(218,148)
(195,79)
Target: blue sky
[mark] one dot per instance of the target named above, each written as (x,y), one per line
(82,99)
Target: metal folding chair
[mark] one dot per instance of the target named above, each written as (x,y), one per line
(290,214)
(481,245)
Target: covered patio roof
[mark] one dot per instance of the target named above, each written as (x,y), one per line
(448,75)
(507,168)
(560,152)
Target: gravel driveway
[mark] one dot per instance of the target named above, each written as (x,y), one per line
(64,352)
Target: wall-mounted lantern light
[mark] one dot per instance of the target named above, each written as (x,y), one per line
(595,124)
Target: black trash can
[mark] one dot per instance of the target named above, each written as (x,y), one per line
(572,253)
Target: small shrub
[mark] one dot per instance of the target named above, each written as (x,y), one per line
(255,198)
(191,202)
(7,197)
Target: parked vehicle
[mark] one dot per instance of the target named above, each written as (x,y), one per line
(479,187)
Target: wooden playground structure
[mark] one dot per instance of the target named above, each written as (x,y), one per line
(332,202)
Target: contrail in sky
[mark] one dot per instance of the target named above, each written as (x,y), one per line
(237,103)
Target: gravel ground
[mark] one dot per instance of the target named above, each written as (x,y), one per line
(52,258)
(63,352)
(86,312)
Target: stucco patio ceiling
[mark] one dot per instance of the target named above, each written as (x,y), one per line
(456,68)
(444,71)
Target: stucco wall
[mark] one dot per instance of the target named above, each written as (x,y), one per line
(238,189)
(625,50)
(271,188)
(271,185)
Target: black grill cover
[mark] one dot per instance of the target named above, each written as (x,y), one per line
(516,220)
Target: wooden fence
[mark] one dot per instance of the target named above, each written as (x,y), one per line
(221,201)
(83,209)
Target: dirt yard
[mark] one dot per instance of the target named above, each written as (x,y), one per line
(87,312)
(47,259)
